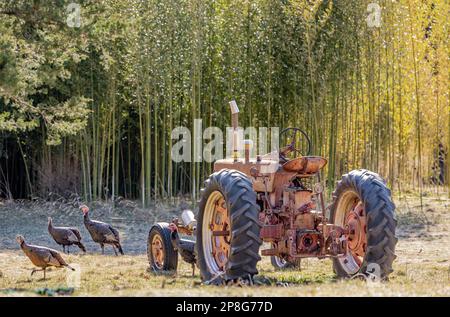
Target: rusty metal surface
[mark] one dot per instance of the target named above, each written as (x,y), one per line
(271,232)
(220,224)
(266,169)
(181,228)
(305,164)
(289,216)
(357,231)
(158,253)
(307,242)
(270,252)
(305,220)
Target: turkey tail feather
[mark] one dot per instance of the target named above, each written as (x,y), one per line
(81,246)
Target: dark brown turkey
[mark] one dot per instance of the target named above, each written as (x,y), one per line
(65,236)
(41,256)
(185,247)
(101,232)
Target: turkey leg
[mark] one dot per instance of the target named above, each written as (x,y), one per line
(36,270)
(114,248)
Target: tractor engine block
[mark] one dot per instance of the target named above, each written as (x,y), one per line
(296,228)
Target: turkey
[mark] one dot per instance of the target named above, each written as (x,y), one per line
(186,248)
(41,256)
(65,236)
(101,232)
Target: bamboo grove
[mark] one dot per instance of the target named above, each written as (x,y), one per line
(89,110)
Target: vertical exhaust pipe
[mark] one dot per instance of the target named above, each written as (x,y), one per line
(235,124)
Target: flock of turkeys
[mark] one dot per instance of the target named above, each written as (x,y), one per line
(43,257)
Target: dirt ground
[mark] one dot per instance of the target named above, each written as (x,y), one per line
(421,269)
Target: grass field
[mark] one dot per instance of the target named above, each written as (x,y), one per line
(421,269)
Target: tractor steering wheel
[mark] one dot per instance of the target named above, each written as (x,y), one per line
(298,139)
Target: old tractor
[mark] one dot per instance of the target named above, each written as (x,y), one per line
(278,198)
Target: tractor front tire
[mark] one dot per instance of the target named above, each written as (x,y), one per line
(228,229)
(362,203)
(282,264)
(161,255)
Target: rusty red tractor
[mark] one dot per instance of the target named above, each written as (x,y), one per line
(278,198)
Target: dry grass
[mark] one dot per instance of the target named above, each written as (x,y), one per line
(421,269)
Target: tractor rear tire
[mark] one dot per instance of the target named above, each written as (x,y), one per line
(379,224)
(235,192)
(161,255)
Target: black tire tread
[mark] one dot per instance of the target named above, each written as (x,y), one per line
(240,198)
(171,255)
(381,221)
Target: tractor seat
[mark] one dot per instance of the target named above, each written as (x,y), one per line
(305,164)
